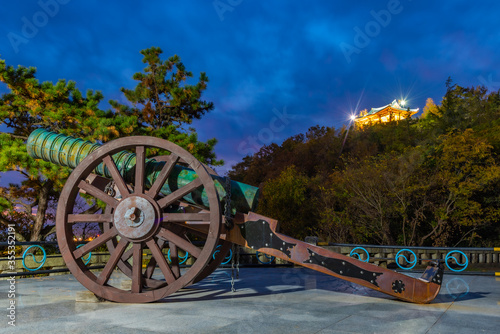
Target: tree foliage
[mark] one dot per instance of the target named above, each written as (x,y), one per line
(289,189)
(427,181)
(29,105)
(161,104)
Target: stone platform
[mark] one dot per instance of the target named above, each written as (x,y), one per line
(267,300)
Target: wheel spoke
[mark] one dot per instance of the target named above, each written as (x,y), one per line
(162,262)
(137,268)
(182,217)
(198,230)
(179,241)
(97,193)
(112,262)
(127,254)
(174,258)
(100,240)
(179,193)
(152,262)
(115,174)
(139,170)
(85,218)
(163,175)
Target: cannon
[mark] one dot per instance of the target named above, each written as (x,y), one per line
(174,201)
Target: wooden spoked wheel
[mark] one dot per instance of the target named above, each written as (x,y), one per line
(138,221)
(216,260)
(218,257)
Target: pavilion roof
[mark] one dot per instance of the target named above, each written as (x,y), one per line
(392,111)
(394,105)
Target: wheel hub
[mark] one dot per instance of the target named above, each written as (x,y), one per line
(136,218)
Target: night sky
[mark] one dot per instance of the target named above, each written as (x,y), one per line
(276,68)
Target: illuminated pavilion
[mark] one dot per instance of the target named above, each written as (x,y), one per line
(392,112)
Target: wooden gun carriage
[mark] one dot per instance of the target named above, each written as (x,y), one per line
(158,203)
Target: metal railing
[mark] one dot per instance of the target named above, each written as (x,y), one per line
(37,262)
(457,260)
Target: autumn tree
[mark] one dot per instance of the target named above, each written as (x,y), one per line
(461,175)
(287,199)
(426,181)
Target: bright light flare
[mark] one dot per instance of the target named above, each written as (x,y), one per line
(353,117)
(402,103)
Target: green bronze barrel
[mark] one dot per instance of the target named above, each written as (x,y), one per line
(69,152)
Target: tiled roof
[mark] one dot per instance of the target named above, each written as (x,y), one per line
(394,105)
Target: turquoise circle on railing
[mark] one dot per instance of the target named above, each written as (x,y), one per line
(270,258)
(184,258)
(359,255)
(448,256)
(414,262)
(42,262)
(85,261)
(227,258)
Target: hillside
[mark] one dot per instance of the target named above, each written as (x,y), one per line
(431,181)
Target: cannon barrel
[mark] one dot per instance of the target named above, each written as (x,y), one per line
(69,152)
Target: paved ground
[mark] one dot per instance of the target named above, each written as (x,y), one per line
(268,300)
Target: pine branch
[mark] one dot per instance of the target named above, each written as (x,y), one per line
(5,222)
(34,203)
(24,174)
(19,236)
(27,206)
(93,209)
(14,136)
(48,230)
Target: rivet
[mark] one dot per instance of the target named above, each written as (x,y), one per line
(252,247)
(322,263)
(281,248)
(361,272)
(343,263)
(267,245)
(271,234)
(312,254)
(371,281)
(341,272)
(263,223)
(311,261)
(374,274)
(437,275)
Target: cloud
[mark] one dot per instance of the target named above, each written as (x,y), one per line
(266,55)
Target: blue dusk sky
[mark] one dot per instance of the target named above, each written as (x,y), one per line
(276,68)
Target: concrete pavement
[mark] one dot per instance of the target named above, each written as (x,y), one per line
(267,300)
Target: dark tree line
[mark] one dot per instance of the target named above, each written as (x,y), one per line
(429,181)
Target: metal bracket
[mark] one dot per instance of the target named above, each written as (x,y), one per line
(434,273)
(258,234)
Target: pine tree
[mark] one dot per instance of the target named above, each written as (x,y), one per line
(162,103)
(29,105)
